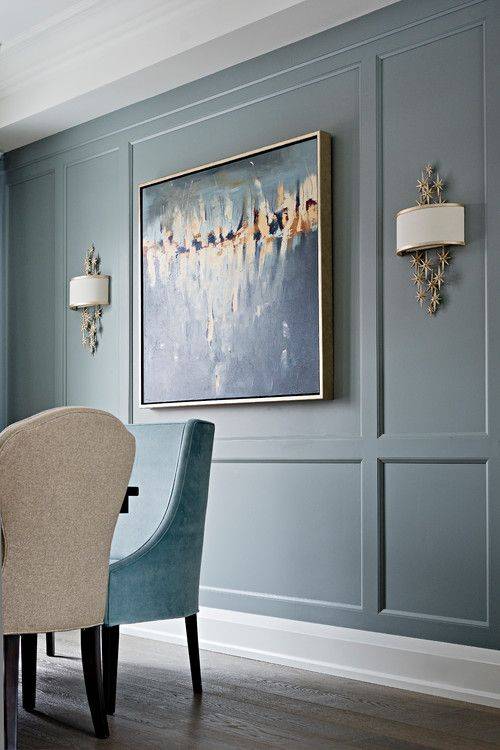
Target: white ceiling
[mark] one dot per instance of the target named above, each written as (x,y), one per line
(63,63)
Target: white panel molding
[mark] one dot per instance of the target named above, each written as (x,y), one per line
(282,598)
(466,673)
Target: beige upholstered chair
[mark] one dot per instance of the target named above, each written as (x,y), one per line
(63,477)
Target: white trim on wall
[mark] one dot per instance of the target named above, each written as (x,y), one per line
(465,673)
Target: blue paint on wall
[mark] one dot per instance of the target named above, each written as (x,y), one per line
(339,512)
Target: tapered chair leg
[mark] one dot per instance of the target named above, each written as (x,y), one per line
(194,651)
(51,644)
(110,648)
(28,665)
(92,672)
(10,685)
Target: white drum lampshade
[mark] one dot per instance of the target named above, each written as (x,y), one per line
(91,290)
(429,225)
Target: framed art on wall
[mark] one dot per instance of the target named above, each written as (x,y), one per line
(236,280)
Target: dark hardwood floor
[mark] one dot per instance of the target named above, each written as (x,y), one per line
(245,704)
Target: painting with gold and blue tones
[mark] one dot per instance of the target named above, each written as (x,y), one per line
(236,291)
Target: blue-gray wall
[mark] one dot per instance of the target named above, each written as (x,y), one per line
(380,509)
(3,300)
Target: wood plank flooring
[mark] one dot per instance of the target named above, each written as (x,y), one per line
(245,704)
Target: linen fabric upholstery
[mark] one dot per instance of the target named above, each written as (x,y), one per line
(63,477)
(160,544)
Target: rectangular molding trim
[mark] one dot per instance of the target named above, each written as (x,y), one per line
(465,673)
(281,597)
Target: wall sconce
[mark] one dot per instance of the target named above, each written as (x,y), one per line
(86,292)
(431,224)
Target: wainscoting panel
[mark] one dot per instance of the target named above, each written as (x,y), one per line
(435,541)
(31,308)
(376,511)
(432,100)
(91,216)
(330,104)
(292,532)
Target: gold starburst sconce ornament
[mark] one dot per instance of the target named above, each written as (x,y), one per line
(90,293)
(424,232)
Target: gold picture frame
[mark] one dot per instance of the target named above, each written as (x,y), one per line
(153,254)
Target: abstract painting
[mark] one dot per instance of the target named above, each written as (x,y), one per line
(236,288)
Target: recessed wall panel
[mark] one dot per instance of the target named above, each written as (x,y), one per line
(31,290)
(91,216)
(433,111)
(331,105)
(284,529)
(435,540)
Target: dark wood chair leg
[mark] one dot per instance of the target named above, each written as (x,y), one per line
(92,672)
(28,667)
(10,686)
(110,648)
(51,644)
(194,651)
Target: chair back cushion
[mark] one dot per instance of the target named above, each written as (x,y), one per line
(158,448)
(63,477)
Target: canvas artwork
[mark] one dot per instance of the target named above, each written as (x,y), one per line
(236,279)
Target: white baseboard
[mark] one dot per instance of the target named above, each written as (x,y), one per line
(464,673)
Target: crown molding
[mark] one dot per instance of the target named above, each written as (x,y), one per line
(100,55)
(52,21)
(88,30)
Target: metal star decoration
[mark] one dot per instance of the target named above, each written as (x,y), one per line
(439,278)
(85,319)
(444,257)
(426,266)
(422,187)
(418,277)
(91,321)
(439,187)
(435,300)
(432,283)
(427,193)
(421,296)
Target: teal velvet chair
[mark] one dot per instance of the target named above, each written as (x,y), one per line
(154,571)
(156,553)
